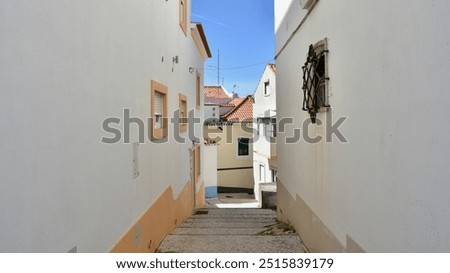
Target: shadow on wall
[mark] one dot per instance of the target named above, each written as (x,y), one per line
(316,236)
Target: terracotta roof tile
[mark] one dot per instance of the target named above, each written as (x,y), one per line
(241,113)
(220,101)
(215,92)
(273,67)
(225,109)
(236,101)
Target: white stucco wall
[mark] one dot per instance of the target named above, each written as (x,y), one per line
(287,19)
(212,111)
(210,172)
(280,9)
(265,102)
(65,67)
(388,66)
(264,107)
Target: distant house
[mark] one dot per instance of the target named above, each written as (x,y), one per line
(215,97)
(372,86)
(264,146)
(218,103)
(232,131)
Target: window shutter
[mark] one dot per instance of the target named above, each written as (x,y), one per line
(158,103)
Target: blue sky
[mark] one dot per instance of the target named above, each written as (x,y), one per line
(243,32)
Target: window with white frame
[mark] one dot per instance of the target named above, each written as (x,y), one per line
(266,88)
(273,128)
(262,173)
(159,102)
(243,146)
(183,113)
(274,175)
(183,15)
(158,110)
(267,127)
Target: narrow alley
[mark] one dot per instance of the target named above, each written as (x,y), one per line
(224,127)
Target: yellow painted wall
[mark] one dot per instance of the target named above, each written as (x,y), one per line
(236,178)
(227,155)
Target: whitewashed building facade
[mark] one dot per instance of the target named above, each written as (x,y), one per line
(70,71)
(264,116)
(382,185)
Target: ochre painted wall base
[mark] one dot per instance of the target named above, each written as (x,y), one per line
(164,215)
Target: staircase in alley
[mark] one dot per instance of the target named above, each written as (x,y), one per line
(215,230)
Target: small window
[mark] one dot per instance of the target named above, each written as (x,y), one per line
(159,102)
(258,127)
(198,90)
(183,113)
(315,79)
(158,110)
(261,127)
(266,88)
(267,127)
(272,127)
(183,15)
(262,173)
(243,146)
(274,175)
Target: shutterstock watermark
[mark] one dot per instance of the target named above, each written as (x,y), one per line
(286,129)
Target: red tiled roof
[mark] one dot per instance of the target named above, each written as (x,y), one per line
(225,109)
(241,113)
(215,92)
(273,67)
(220,101)
(236,101)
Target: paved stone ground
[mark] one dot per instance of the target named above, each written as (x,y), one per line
(240,230)
(232,200)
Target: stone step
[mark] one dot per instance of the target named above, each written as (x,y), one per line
(231,216)
(232,231)
(237,211)
(219,231)
(231,244)
(230,220)
(224,224)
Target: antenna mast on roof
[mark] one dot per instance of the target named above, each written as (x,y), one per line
(218,67)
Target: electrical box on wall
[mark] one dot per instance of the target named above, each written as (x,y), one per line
(135,160)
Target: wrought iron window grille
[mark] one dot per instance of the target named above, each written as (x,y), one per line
(315,93)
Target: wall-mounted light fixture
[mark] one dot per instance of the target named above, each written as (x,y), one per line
(191,69)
